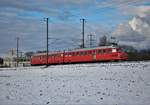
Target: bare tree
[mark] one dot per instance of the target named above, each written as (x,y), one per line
(103,41)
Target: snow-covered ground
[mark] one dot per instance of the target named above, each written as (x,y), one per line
(88,84)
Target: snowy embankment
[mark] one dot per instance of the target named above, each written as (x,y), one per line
(100,84)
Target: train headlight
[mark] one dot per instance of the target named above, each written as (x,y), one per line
(114,50)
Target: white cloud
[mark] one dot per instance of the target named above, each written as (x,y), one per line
(137,31)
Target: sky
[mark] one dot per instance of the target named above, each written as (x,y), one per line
(126,20)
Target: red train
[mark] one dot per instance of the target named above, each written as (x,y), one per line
(107,53)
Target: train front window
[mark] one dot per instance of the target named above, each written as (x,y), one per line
(89,52)
(109,50)
(119,50)
(100,51)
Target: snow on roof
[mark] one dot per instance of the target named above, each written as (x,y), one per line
(74,50)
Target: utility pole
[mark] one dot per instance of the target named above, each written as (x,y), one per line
(46,19)
(17,50)
(83,21)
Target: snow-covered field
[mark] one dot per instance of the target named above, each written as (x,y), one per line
(88,84)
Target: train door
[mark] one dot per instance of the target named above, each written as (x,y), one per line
(63,57)
(53,58)
(94,55)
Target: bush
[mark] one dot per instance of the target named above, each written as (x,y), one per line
(138,56)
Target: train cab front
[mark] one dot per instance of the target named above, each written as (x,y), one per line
(119,55)
(122,55)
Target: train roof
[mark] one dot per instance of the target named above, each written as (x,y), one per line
(102,47)
(74,50)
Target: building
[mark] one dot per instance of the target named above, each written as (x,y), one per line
(9,59)
(1,62)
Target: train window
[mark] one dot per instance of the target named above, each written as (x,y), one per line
(104,51)
(89,52)
(94,51)
(73,54)
(81,53)
(70,53)
(119,49)
(77,53)
(86,53)
(100,51)
(56,55)
(59,55)
(66,54)
(108,51)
